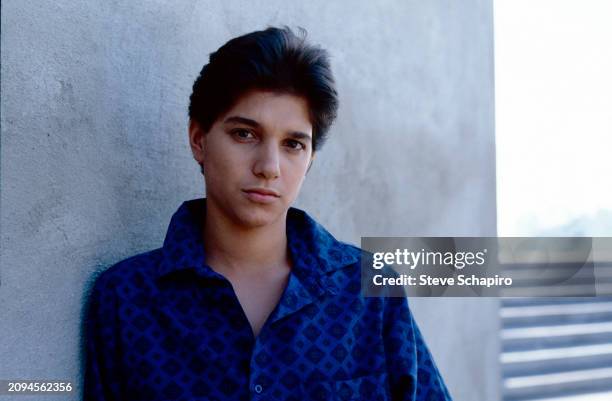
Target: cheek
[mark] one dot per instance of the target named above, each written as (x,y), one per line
(295,174)
(218,166)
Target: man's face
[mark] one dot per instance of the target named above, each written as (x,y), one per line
(255,157)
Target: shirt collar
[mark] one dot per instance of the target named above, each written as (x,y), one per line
(314,251)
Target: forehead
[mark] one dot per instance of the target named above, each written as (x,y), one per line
(273,110)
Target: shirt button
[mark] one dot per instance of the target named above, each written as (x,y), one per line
(258,388)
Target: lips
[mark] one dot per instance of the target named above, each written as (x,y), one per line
(261,195)
(263,191)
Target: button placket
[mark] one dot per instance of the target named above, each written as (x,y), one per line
(257,386)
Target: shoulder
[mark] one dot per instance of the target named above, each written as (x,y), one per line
(350,278)
(353,264)
(357,280)
(135,272)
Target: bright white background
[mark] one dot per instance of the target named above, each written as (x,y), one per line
(553,84)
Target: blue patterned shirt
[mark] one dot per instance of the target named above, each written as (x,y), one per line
(165,326)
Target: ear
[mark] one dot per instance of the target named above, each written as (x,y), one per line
(196,140)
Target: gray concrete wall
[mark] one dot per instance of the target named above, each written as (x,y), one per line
(95,159)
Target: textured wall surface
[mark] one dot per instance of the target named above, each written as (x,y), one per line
(95,159)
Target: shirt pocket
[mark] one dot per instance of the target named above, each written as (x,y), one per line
(364,388)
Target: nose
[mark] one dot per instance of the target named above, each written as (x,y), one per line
(267,162)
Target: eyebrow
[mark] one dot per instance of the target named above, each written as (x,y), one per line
(256,125)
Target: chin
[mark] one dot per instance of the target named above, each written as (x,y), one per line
(255,216)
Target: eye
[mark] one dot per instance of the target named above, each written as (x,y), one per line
(243,134)
(296,145)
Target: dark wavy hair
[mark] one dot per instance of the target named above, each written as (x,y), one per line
(274,59)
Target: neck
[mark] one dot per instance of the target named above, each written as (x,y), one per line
(229,246)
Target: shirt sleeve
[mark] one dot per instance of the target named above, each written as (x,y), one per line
(413,375)
(102,371)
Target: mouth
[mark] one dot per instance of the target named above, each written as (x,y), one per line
(261,195)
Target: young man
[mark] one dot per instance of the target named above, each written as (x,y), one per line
(249,298)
